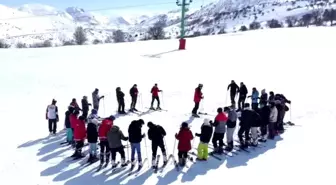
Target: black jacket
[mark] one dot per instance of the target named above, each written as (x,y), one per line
(134,132)
(85,105)
(233,88)
(243,91)
(120,96)
(156,134)
(250,118)
(133,92)
(67,119)
(264,113)
(92,133)
(263,99)
(206,133)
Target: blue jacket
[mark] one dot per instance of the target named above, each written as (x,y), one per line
(255,96)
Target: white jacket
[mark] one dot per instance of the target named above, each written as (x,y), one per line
(273,115)
(52,112)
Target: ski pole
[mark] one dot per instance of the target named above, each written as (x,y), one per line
(127,150)
(226,97)
(146,149)
(162,98)
(174,146)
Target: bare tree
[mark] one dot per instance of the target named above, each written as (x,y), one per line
(243,28)
(306,19)
(118,36)
(329,15)
(3,44)
(291,21)
(156,32)
(274,24)
(80,36)
(21,45)
(317,17)
(255,25)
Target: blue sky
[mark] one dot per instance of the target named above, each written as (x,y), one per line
(157,7)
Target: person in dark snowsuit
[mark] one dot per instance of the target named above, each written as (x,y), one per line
(220,129)
(96,99)
(242,95)
(135,138)
(67,124)
(184,146)
(245,126)
(155,96)
(75,104)
(281,101)
(114,137)
(205,136)
(264,112)
(271,97)
(134,95)
(156,133)
(121,101)
(198,96)
(272,120)
(85,107)
(263,97)
(234,89)
(92,138)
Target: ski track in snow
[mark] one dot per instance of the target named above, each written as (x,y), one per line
(30,78)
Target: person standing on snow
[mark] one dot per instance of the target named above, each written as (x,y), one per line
(75,104)
(92,137)
(254,97)
(121,101)
(114,137)
(281,101)
(184,146)
(79,136)
(234,89)
(134,95)
(198,96)
(135,138)
(155,96)
(67,124)
(264,112)
(255,122)
(52,117)
(93,115)
(231,126)
(219,124)
(271,96)
(245,126)
(73,121)
(205,136)
(272,120)
(104,128)
(242,95)
(156,133)
(263,97)
(85,107)
(96,99)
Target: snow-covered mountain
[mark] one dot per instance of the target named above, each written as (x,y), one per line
(39,22)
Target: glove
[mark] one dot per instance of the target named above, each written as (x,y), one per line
(143,135)
(102,97)
(289,102)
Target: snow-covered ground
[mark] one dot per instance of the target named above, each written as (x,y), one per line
(297,62)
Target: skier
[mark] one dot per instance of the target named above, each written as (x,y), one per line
(79,136)
(219,124)
(231,126)
(96,99)
(73,121)
(282,109)
(156,133)
(272,120)
(92,137)
(205,136)
(114,137)
(75,104)
(121,101)
(264,112)
(93,115)
(245,126)
(263,97)
(134,95)
(85,107)
(198,96)
(234,89)
(67,124)
(256,123)
(242,95)
(102,134)
(52,117)
(184,146)
(271,96)
(135,138)
(254,97)
(155,96)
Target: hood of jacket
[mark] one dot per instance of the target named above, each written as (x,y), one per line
(206,122)
(115,128)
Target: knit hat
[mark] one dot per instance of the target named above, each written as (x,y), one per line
(150,124)
(184,125)
(219,110)
(111,118)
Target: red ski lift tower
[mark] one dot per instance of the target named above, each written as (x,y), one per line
(183,5)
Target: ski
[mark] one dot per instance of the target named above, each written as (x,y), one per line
(175,163)
(137,172)
(212,154)
(156,109)
(65,142)
(101,166)
(88,163)
(115,166)
(243,149)
(156,167)
(119,169)
(165,163)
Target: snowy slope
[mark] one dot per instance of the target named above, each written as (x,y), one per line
(30,157)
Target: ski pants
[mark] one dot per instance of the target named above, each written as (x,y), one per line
(135,147)
(120,150)
(195,109)
(254,133)
(96,107)
(157,99)
(134,101)
(279,125)
(182,154)
(218,137)
(69,135)
(233,97)
(155,147)
(244,130)
(271,130)
(93,148)
(85,113)
(229,134)
(255,106)
(121,106)
(52,125)
(104,151)
(202,151)
(79,146)
(263,130)
(241,101)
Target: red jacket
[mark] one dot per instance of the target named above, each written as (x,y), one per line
(155,91)
(104,128)
(79,130)
(221,117)
(184,136)
(198,95)
(73,119)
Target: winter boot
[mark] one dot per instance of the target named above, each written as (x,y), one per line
(180,161)
(135,109)
(114,164)
(107,158)
(195,115)
(74,154)
(154,162)
(229,148)
(102,159)
(90,159)
(123,163)
(158,108)
(165,160)
(151,108)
